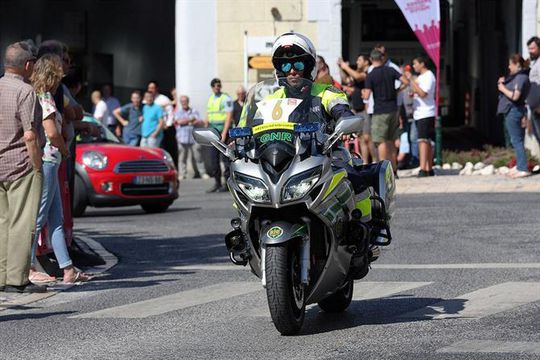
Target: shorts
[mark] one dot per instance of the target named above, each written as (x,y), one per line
(385,127)
(426,129)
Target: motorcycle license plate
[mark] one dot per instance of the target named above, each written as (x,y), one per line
(147,180)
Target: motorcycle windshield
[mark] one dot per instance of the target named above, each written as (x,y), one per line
(273,107)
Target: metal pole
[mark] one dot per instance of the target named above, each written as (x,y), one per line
(246,69)
(438,140)
(438,122)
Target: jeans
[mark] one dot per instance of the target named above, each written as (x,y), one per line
(413,138)
(151,142)
(131,139)
(50,213)
(517,135)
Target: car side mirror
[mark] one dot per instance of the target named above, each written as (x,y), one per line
(211,137)
(344,126)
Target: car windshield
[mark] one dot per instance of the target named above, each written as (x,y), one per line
(273,108)
(105,135)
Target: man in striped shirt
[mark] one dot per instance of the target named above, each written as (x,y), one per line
(21,140)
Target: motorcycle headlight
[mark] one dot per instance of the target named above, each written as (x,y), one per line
(169,160)
(94,160)
(253,188)
(298,186)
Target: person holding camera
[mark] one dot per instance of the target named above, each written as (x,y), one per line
(513,90)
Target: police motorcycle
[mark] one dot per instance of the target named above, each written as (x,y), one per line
(304,229)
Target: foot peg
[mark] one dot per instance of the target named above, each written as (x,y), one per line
(374,253)
(237,245)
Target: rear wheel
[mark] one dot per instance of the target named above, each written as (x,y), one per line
(340,300)
(80,197)
(155,208)
(284,289)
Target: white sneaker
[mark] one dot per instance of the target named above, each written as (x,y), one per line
(512,171)
(205,176)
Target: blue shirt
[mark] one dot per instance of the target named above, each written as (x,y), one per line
(132,114)
(151,115)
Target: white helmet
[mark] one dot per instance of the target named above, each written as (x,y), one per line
(290,46)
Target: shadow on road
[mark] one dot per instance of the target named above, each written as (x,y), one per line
(381,311)
(142,257)
(5,318)
(129,211)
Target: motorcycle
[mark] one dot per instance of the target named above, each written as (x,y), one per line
(303,227)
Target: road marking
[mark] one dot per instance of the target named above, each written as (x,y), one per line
(481,303)
(363,290)
(367,290)
(224,267)
(174,302)
(211,267)
(459,266)
(491,346)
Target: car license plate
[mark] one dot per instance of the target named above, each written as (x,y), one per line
(147,180)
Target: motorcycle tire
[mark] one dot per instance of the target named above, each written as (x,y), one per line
(284,290)
(340,300)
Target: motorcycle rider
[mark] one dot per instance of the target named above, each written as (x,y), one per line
(294,59)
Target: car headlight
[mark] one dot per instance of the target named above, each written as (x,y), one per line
(95,160)
(253,188)
(169,160)
(298,186)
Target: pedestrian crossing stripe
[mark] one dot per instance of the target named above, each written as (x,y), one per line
(480,303)
(474,305)
(493,347)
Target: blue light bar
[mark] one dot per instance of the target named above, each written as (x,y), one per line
(307,127)
(240,132)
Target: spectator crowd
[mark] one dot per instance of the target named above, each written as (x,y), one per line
(40,118)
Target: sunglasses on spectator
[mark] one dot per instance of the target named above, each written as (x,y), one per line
(298,65)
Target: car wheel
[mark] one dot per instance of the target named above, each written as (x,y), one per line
(155,208)
(80,197)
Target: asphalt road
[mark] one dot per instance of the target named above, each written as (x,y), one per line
(460,281)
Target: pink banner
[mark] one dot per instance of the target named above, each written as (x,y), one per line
(424,17)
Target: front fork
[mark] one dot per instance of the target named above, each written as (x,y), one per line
(304,254)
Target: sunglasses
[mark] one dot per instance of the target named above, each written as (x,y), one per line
(298,65)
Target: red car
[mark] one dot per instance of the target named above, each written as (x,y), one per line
(110,173)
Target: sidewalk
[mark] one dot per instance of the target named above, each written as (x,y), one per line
(407,184)
(14,300)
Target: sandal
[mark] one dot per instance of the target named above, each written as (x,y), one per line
(520,174)
(79,277)
(37,277)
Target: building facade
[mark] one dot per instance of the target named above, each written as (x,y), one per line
(186,43)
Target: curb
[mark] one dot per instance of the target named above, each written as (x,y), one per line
(110,261)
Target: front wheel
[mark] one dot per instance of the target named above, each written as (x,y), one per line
(284,289)
(340,300)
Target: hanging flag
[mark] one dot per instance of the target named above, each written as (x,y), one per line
(424,17)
